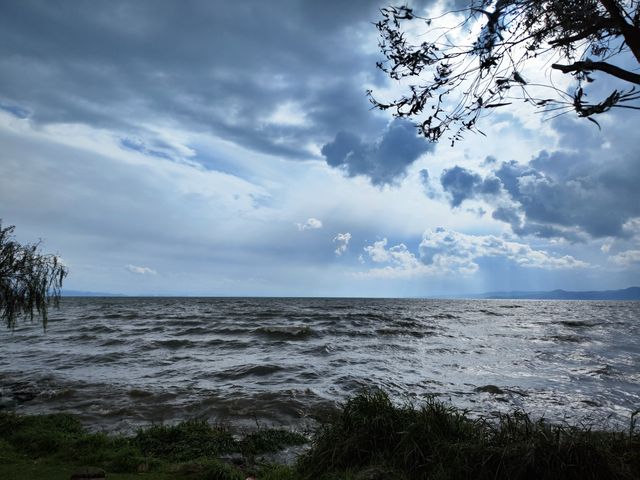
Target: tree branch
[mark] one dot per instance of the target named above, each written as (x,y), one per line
(589,66)
(586,33)
(630,33)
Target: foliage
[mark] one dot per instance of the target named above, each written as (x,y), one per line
(29,280)
(190,449)
(373,438)
(270,440)
(452,82)
(186,441)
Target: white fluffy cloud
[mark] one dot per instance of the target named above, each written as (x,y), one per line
(628,248)
(310,224)
(446,251)
(140,270)
(342,239)
(398,256)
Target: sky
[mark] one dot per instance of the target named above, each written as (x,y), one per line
(229,148)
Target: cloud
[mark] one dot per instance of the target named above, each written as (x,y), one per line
(310,224)
(562,194)
(462,184)
(606,246)
(398,257)
(583,188)
(631,228)
(140,270)
(626,258)
(258,76)
(14,110)
(427,184)
(444,251)
(157,148)
(384,161)
(445,248)
(342,239)
(163,132)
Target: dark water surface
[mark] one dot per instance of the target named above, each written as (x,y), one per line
(122,362)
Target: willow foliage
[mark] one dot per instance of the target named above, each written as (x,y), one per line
(30,281)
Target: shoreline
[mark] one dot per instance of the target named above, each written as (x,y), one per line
(135,408)
(369,437)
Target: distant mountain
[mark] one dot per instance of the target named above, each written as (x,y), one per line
(631,293)
(80,293)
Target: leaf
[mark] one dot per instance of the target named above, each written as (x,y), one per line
(518,78)
(594,121)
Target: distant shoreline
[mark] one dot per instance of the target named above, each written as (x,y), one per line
(630,293)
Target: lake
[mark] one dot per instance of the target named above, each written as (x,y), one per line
(124,362)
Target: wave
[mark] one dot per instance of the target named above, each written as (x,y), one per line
(576,323)
(402,332)
(249,371)
(172,344)
(123,316)
(299,332)
(567,338)
(112,342)
(445,316)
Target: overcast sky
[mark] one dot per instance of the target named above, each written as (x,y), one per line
(228,148)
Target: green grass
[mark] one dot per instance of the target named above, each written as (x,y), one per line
(370,438)
(53,446)
(186,441)
(270,440)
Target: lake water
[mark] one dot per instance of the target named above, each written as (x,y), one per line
(124,362)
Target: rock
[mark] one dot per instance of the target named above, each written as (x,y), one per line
(492,389)
(88,473)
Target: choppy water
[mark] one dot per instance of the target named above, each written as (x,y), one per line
(122,362)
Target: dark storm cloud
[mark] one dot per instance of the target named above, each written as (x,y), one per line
(574,191)
(587,188)
(223,67)
(462,184)
(384,161)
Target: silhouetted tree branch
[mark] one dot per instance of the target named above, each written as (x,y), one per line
(590,66)
(29,280)
(449,82)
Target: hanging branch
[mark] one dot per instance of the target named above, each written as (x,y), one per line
(448,85)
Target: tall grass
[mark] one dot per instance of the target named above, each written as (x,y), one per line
(373,438)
